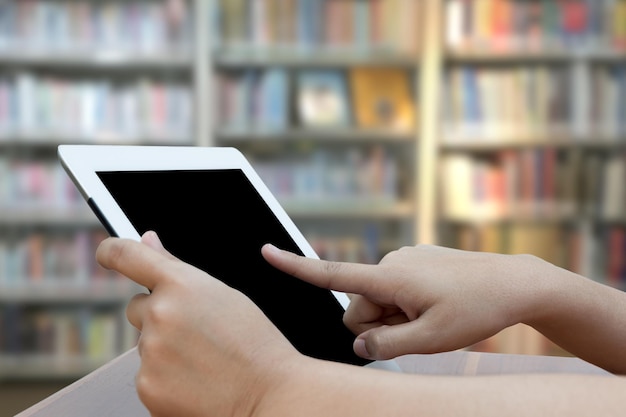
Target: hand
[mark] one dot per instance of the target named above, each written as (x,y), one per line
(205,348)
(426,299)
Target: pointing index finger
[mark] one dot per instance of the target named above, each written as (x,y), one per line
(338,276)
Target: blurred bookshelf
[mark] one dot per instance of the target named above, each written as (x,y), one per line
(478,124)
(532,155)
(200,73)
(80,71)
(323,98)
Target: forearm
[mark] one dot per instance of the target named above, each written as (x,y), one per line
(327,389)
(584,317)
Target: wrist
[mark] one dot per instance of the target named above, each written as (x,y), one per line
(276,382)
(547,286)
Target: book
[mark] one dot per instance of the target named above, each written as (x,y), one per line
(234,22)
(362,35)
(272,100)
(309,18)
(456,172)
(322,99)
(454,35)
(616,263)
(613,196)
(382,98)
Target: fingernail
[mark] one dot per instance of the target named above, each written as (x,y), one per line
(360,348)
(272,248)
(152,237)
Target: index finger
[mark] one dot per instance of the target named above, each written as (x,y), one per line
(135,260)
(339,276)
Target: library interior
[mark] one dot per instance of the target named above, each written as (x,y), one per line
(488,125)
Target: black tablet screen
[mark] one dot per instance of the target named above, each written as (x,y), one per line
(217,221)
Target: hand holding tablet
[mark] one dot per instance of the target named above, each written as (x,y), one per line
(184,192)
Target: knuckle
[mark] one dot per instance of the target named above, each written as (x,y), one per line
(350,322)
(118,252)
(377,345)
(158,313)
(147,346)
(331,268)
(147,391)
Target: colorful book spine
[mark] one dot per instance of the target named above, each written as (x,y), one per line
(519,25)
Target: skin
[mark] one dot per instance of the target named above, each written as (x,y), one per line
(234,362)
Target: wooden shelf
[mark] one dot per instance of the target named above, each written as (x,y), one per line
(484,145)
(558,219)
(58,291)
(41,366)
(79,215)
(349,209)
(293,57)
(99,59)
(525,57)
(45,139)
(237,136)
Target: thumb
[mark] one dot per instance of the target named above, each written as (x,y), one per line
(388,342)
(151,239)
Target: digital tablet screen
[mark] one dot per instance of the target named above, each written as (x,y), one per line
(217,221)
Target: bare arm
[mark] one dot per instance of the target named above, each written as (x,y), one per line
(584,317)
(338,390)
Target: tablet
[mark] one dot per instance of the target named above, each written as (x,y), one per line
(214,196)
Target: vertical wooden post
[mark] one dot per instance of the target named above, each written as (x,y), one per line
(430,67)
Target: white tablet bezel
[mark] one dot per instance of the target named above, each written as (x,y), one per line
(82,162)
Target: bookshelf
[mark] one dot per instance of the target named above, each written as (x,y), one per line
(545,177)
(82,71)
(349,185)
(358,184)
(153,72)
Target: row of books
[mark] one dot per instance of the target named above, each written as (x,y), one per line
(607,96)
(361,97)
(33,104)
(325,177)
(495,103)
(597,252)
(62,333)
(305,25)
(73,26)
(533,183)
(535,25)
(492,102)
(52,259)
(37,185)
(346,248)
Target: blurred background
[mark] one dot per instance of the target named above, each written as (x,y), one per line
(492,125)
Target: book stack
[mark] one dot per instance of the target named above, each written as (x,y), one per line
(340,179)
(363,247)
(608,101)
(253,99)
(37,186)
(368,98)
(535,25)
(61,334)
(137,27)
(496,104)
(48,260)
(527,184)
(34,106)
(306,25)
